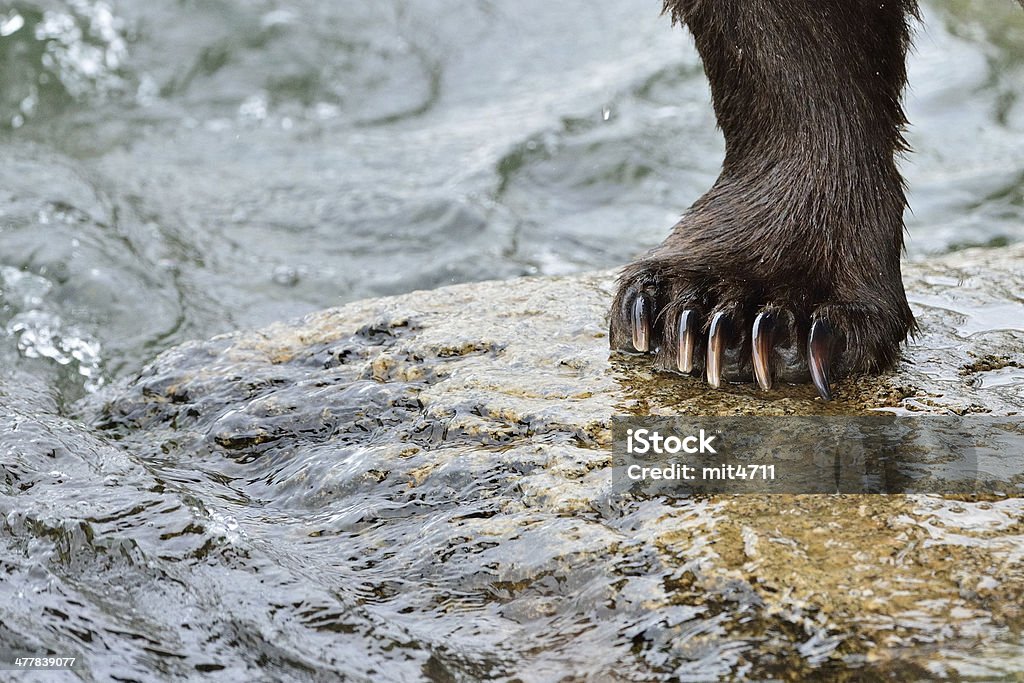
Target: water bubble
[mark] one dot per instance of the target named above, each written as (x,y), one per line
(84,47)
(326,110)
(41,333)
(254,108)
(278,17)
(73,51)
(11,24)
(286,276)
(148,91)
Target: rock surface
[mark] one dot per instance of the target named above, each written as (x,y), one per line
(529,351)
(438,463)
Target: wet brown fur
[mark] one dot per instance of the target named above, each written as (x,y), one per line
(807,214)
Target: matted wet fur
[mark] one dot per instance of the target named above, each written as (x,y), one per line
(794,254)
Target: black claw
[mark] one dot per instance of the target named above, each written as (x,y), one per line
(819,356)
(763,341)
(687,340)
(716,347)
(641,323)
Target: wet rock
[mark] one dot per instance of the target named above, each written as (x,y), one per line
(517,359)
(441,458)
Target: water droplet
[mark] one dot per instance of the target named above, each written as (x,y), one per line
(286,276)
(11,24)
(254,108)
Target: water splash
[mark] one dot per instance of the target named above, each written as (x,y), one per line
(41,333)
(85,46)
(56,56)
